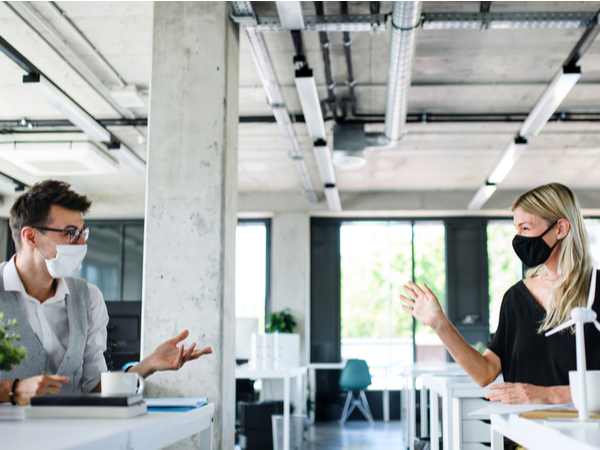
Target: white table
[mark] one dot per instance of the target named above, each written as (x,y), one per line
(154,430)
(245,372)
(408,404)
(534,435)
(453,390)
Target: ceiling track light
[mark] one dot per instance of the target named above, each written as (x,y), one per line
(324,162)
(67,106)
(309,100)
(507,160)
(481,196)
(550,100)
(128,157)
(333,198)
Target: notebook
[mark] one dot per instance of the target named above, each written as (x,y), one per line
(86,412)
(86,400)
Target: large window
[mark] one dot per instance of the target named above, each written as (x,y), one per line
(114,260)
(251,270)
(377,259)
(504,267)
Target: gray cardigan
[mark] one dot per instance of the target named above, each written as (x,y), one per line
(78,313)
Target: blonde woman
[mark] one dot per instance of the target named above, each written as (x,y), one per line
(551,239)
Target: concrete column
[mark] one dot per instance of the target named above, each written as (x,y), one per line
(191,205)
(291,271)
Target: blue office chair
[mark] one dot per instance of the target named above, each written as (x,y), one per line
(356,377)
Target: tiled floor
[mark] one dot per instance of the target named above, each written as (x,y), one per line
(354,436)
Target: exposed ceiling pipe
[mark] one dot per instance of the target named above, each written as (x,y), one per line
(406,17)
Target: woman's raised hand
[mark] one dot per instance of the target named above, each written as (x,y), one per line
(423,305)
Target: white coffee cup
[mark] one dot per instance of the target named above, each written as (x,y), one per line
(592,382)
(122,383)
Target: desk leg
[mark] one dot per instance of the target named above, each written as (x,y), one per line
(412,412)
(286,413)
(206,437)
(434,420)
(497,440)
(300,394)
(312,376)
(446,423)
(424,424)
(386,405)
(404,411)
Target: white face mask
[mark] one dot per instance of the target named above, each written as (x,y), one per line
(67,260)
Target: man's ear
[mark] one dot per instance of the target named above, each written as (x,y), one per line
(563,228)
(28,236)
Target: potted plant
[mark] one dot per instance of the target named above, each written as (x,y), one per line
(282,322)
(9,354)
(282,344)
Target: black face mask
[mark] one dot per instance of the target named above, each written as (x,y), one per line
(533,251)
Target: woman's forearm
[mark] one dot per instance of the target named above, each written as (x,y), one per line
(481,369)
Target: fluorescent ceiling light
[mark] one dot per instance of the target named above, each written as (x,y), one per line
(333,198)
(129,158)
(290,15)
(551,98)
(311,107)
(128,97)
(507,160)
(481,196)
(59,158)
(324,164)
(71,110)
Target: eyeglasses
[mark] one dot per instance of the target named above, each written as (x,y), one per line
(73,234)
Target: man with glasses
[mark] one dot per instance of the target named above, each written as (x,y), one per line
(61,320)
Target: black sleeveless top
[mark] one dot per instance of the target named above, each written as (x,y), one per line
(529,357)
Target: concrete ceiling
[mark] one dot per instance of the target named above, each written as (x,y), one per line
(435,169)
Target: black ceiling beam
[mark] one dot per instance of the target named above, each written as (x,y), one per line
(17,58)
(484,7)
(585,42)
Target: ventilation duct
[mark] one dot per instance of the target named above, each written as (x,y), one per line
(406,17)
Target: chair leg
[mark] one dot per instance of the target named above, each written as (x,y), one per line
(345,413)
(365,408)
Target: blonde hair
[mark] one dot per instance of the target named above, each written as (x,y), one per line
(575,264)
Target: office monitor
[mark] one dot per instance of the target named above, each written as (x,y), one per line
(124,331)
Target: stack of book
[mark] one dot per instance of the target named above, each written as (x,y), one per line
(96,406)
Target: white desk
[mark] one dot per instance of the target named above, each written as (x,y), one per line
(408,404)
(534,435)
(244,372)
(154,430)
(460,395)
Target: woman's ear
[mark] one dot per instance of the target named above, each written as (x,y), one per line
(563,228)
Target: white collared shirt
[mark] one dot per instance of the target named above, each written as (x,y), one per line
(50,324)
